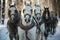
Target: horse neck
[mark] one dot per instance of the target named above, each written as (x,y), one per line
(44,14)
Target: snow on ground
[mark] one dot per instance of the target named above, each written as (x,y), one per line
(3,31)
(4,35)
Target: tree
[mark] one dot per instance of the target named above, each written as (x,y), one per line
(58,7)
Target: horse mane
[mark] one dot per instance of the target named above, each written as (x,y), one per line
(44,14)
(9,13)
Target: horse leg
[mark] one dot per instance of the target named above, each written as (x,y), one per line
(45,38)
(38,34)
(51,29)
(11,37)
(16,37)
(45,34)
(54,30)
(41,35)
(27,35)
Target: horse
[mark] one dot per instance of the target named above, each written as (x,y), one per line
(27,21)
(47,21)
(12,24)
(39,21)
(54,22)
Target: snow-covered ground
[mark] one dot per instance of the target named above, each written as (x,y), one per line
(3,31)
(4,35)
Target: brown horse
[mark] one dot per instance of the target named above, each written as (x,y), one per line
(47,21)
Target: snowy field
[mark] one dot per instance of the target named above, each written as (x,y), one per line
(4,35)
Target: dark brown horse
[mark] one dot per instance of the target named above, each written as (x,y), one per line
(13,21)
(47,21)
(54,22)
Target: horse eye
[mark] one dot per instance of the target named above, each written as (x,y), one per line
(40,10)
(30,15)
(35,14)
(16,11)
(31,11)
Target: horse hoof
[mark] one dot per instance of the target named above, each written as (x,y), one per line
(41,39)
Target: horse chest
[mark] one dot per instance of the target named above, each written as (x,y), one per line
(27,27)
(12,25)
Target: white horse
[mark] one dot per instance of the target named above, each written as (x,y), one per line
(27,21)
(40,24)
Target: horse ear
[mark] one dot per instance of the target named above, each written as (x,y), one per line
(44,7)
(14,4)
(34,10)
(23,10)
(19,11)
(25,2)
(40,10)
(9,5)
(8,13)
(30,3)
(35,4)
(16,11)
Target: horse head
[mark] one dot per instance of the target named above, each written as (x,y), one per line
(46,12)
(38,12)
(12,12)
(27,11)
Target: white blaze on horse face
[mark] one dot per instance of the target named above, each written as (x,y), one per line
(46,13)
(28,10)
(12,9)
(12,17)
(12,12)
(38,12)
(38,15)
(26,20)
(27,17)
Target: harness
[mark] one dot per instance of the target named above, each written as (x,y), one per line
(27,27)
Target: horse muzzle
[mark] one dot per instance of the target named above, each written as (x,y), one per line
(27,20)
(12,17)
(38,18)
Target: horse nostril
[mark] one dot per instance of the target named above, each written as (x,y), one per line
(27,20)
(38,18)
